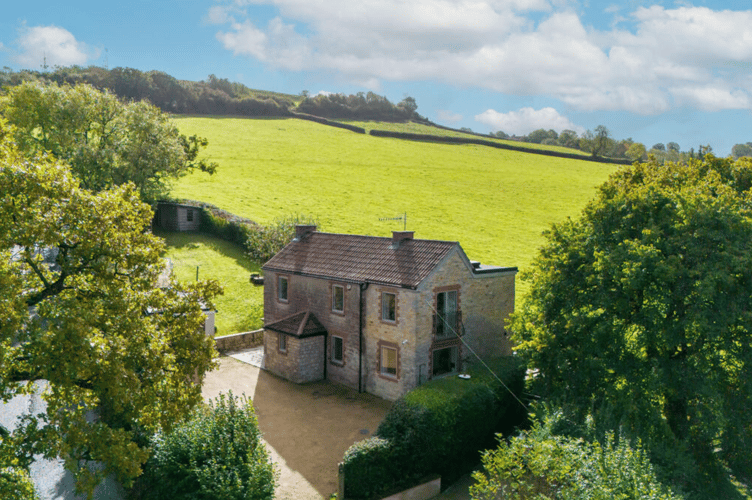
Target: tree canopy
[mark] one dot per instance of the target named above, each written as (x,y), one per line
(640,311)
(83,312)
(106,143)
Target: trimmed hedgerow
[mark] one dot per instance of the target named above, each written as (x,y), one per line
(437,428)
(369,466)
(218,453)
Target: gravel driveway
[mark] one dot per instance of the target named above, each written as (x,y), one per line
(307,427)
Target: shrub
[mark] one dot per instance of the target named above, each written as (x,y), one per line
(15,483)
(217,454)
(437,428)
(540,464)
(447,421)
(369,465)
(265,241)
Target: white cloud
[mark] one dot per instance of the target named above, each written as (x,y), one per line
(51,44)
(445,116)
(525,120)
(668,57)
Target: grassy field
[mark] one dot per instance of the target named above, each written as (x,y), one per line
(420,128)
(241,307)
(496,203)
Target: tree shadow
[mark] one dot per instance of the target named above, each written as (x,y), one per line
(191,239)
(312,425)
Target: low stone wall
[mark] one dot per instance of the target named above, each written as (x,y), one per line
(239,341)
(424,491)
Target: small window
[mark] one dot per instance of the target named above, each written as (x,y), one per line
(282,342)
(338,298)
(389,361)
(190,215)
(282,288)
(338,355)
(388,306)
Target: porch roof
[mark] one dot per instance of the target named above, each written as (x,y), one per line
(301,324)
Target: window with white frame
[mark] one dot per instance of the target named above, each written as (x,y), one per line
(388,306)
(388,361)
(282,283)
(338,351)
(282,342)
(338,298)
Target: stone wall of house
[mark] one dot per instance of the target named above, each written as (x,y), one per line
(484,300)
(302,362)
(399,335)
(314,294)
(489,302)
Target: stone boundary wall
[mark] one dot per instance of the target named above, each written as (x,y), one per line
(239,341)
(492,144)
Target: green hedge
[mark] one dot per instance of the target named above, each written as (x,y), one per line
(437,428)
(217,454)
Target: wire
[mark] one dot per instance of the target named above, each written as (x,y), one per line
(476,354)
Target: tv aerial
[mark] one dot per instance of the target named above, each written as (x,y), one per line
(402,217)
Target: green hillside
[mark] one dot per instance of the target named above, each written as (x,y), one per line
(422,128)
(494,202)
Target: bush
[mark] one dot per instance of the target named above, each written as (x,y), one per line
(217,454)
(369,465)
(447,421)
(540,464)
(225,225)
(265,241)
(437,428)
(15,483)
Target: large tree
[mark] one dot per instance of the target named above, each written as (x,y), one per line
(86,311)
(640,311)
(106,142)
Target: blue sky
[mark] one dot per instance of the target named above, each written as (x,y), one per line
(650,70)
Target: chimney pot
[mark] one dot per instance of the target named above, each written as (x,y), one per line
(301,231)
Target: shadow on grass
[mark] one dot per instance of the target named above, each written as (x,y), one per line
(183,240)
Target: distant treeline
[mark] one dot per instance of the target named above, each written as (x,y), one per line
(599,142)
(217,96)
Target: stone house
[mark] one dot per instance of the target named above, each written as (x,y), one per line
(380,315)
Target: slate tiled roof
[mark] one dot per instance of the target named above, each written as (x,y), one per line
(303,324)
(357,258)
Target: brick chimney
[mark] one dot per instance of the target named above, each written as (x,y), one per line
(398,236)
(301,231)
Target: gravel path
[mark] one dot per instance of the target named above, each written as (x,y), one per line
(307,427)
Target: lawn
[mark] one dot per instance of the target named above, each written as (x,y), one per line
(496,203)
(241,307)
